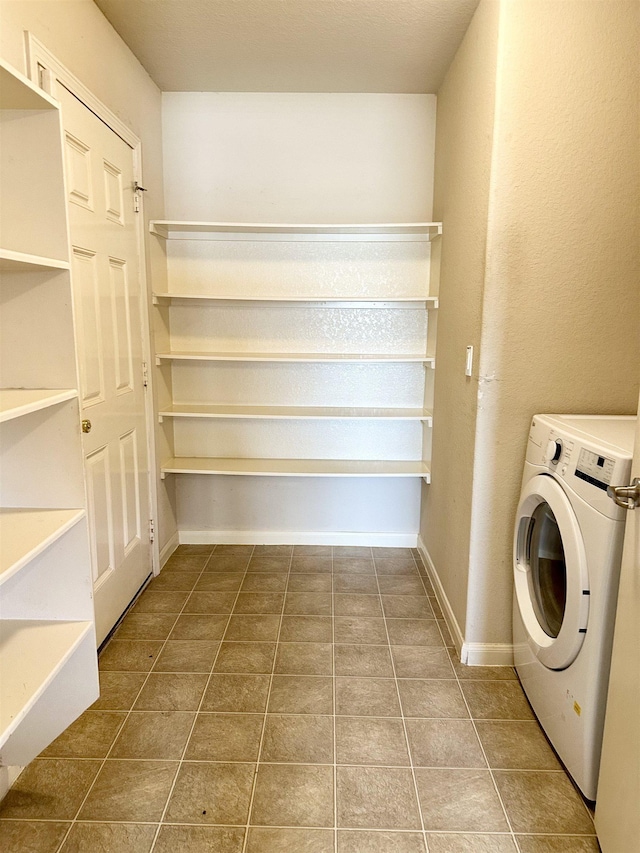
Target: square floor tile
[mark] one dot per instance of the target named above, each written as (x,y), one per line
(160,602)
(236,550)
(557,844)
(363,660)
(298,739)
(516,745)
(423,697)
(21,836)
(146,626)
(187,656)
(225,562)
(245,657)
(544,802)
(311,564)
(459,801)
(308,603)
(118,690)
(246,694)
(396,566)
(109,838)
(360,629)
(267,840)
(259,602)
(273,550)
(225,737)
(90,736)
(421,662)
(129,655)
(262,627)
(219,582)
(293,795)
(376,798)
(266,563)
(49,789)
(301,694)
(392,553)
(312,551)
(351,841)
(130,791)
(211,793)
(354,604)
(354,565)
(414,632)
(400,585)
(154,734)
(203,627)
(210,602)
(497,700)
(186,562)
(358,552)
(265,582)
(407,607)
(310,583)
(304,659)
(373,697)
(172,692)
(199,839)
(188,550)
(444,743)
(174,582)
(306,629)
(465,843)
(371,740)
(358,583)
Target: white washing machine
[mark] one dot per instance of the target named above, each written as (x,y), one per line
(566,555)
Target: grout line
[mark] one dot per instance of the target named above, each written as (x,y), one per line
(124,722)
(195,717)
(266,711)
(404,724)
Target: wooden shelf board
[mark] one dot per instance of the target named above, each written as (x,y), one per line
(25,533)
(328,357)
(11,261)
(17,92)
(168,228)
(295,412)
(295,467)
(32,653)
(17,402)
(322,301)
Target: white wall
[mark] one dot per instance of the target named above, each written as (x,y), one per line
(560,291)
(298,158)
(80,37)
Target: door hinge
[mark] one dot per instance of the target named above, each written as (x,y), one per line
(152,530)
(145,374)
(137,189)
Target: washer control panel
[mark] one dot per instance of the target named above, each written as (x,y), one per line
(595,469)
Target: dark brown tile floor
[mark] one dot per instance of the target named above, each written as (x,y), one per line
(305,700)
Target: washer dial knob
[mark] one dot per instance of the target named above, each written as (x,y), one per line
(554,450)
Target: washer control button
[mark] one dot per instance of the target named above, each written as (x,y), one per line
(554,450)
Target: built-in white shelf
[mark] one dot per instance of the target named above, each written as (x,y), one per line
(32,655)
(295,413)
(17,92)
(295,467)
(323,357)
(26,533)
(20,262)
(238,230)
(321,301)
(17,402)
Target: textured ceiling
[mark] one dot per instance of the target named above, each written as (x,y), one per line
(293,45)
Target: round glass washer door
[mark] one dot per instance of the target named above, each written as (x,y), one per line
(550,573)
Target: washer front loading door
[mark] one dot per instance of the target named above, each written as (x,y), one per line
(550,573)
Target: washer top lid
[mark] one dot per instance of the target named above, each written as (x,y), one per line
(616,431)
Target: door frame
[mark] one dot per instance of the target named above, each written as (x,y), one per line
(45,70)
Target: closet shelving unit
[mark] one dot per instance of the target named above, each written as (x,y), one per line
(48,662)
(232,285)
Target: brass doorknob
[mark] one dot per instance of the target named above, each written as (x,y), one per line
(86,425)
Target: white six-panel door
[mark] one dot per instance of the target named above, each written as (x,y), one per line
(108,306)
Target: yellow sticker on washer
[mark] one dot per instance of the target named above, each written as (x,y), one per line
(577,708)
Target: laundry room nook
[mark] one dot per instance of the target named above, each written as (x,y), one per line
(318,426)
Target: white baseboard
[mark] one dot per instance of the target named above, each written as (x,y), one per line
(288,537)
(447,611)
(487,654)
(169,548)
(471,654)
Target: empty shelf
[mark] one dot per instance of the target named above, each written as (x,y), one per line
(32,653)
(25,533)
(19,93)
(341,357)
(321,301)
(16,402)
(295,412)
(20,262)
(295,467)
(170,228)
